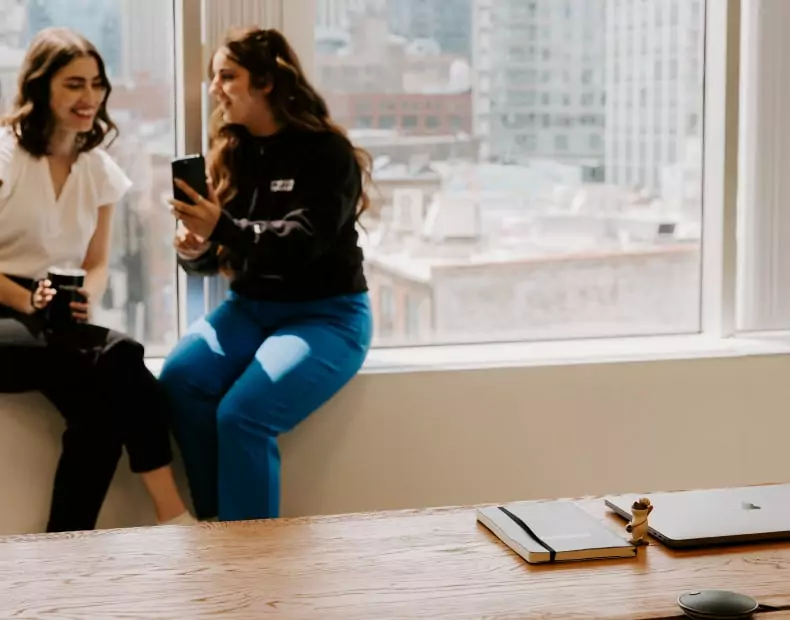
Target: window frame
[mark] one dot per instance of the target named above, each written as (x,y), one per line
(720,147)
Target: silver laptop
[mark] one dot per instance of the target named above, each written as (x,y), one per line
(714,517)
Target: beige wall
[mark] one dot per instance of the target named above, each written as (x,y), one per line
(462,437)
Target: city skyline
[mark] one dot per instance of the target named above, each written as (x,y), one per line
(509,152)
(473,219)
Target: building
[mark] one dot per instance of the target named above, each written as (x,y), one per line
(406,113)
(97,20)
(147,43)
(539,88)
(11,59)
(528,252)
(415,150)
(374,81)
(654,89)
(369,59)
(448,22)
(639,292)
(339,14)
(12,22)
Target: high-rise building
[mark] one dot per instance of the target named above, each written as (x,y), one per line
(12,19)
(147,27)
(539,89)
(339,14)
(448,22)
(654,90)
(97,20)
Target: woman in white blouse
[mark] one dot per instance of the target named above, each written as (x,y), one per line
(57,190)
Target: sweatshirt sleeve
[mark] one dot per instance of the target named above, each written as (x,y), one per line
(207,264)
(325,199)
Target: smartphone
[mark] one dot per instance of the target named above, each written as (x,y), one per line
(192,170)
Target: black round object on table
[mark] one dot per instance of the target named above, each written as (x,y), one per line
(717,605)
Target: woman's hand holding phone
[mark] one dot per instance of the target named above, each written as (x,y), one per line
(201,217)
(194,203)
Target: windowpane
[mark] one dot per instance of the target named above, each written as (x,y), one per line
(136,42)
(510,235)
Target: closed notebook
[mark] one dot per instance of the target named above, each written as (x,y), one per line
(559,531)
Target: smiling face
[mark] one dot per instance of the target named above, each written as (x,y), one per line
(241,103)
(77,92)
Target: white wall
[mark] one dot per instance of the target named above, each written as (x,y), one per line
(463,437)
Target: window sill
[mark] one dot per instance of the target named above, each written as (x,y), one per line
(564,353)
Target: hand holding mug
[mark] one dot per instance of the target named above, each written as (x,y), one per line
(81,308)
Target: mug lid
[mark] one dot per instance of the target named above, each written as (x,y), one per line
(67,271)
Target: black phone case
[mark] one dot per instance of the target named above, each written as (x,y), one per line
(192,170)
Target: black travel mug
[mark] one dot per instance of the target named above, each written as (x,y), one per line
(67,281)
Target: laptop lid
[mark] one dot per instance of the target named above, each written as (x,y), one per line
(714,516)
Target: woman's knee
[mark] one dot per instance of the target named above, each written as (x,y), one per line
(231,419)
(178,370)
(95,437)
(261,409)
(123,358)
(187,365)
(244,415)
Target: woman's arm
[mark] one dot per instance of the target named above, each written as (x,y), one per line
(15,296)
(12,294)
(98,255)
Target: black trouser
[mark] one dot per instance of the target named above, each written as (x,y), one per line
(98,380)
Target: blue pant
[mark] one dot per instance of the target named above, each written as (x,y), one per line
(247,372)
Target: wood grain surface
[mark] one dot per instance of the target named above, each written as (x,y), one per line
(409,564)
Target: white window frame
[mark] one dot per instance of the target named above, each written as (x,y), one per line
(717,337)
(720,167)
(188,106)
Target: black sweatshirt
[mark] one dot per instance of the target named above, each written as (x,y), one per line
(290,230)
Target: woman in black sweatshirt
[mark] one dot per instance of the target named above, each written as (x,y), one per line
(286,188)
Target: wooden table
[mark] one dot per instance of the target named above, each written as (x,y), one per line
(413,564)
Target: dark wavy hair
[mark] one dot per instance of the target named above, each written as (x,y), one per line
(269,58)
(31,116)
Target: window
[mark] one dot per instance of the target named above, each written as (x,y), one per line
(386,316)
(764,185)
(490,259)
(413,317)
(136,42)
(494,260)
(387,122)
(527,141)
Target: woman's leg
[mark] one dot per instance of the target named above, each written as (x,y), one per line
(91,443)
(196,375)
(133,396)
(296,370)
(91,449)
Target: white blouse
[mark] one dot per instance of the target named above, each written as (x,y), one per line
(37,230)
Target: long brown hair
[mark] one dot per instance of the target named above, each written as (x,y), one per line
(31,117)
(269,58)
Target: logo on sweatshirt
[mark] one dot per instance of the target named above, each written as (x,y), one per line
(282,185)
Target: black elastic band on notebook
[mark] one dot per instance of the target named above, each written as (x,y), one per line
(528,530)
